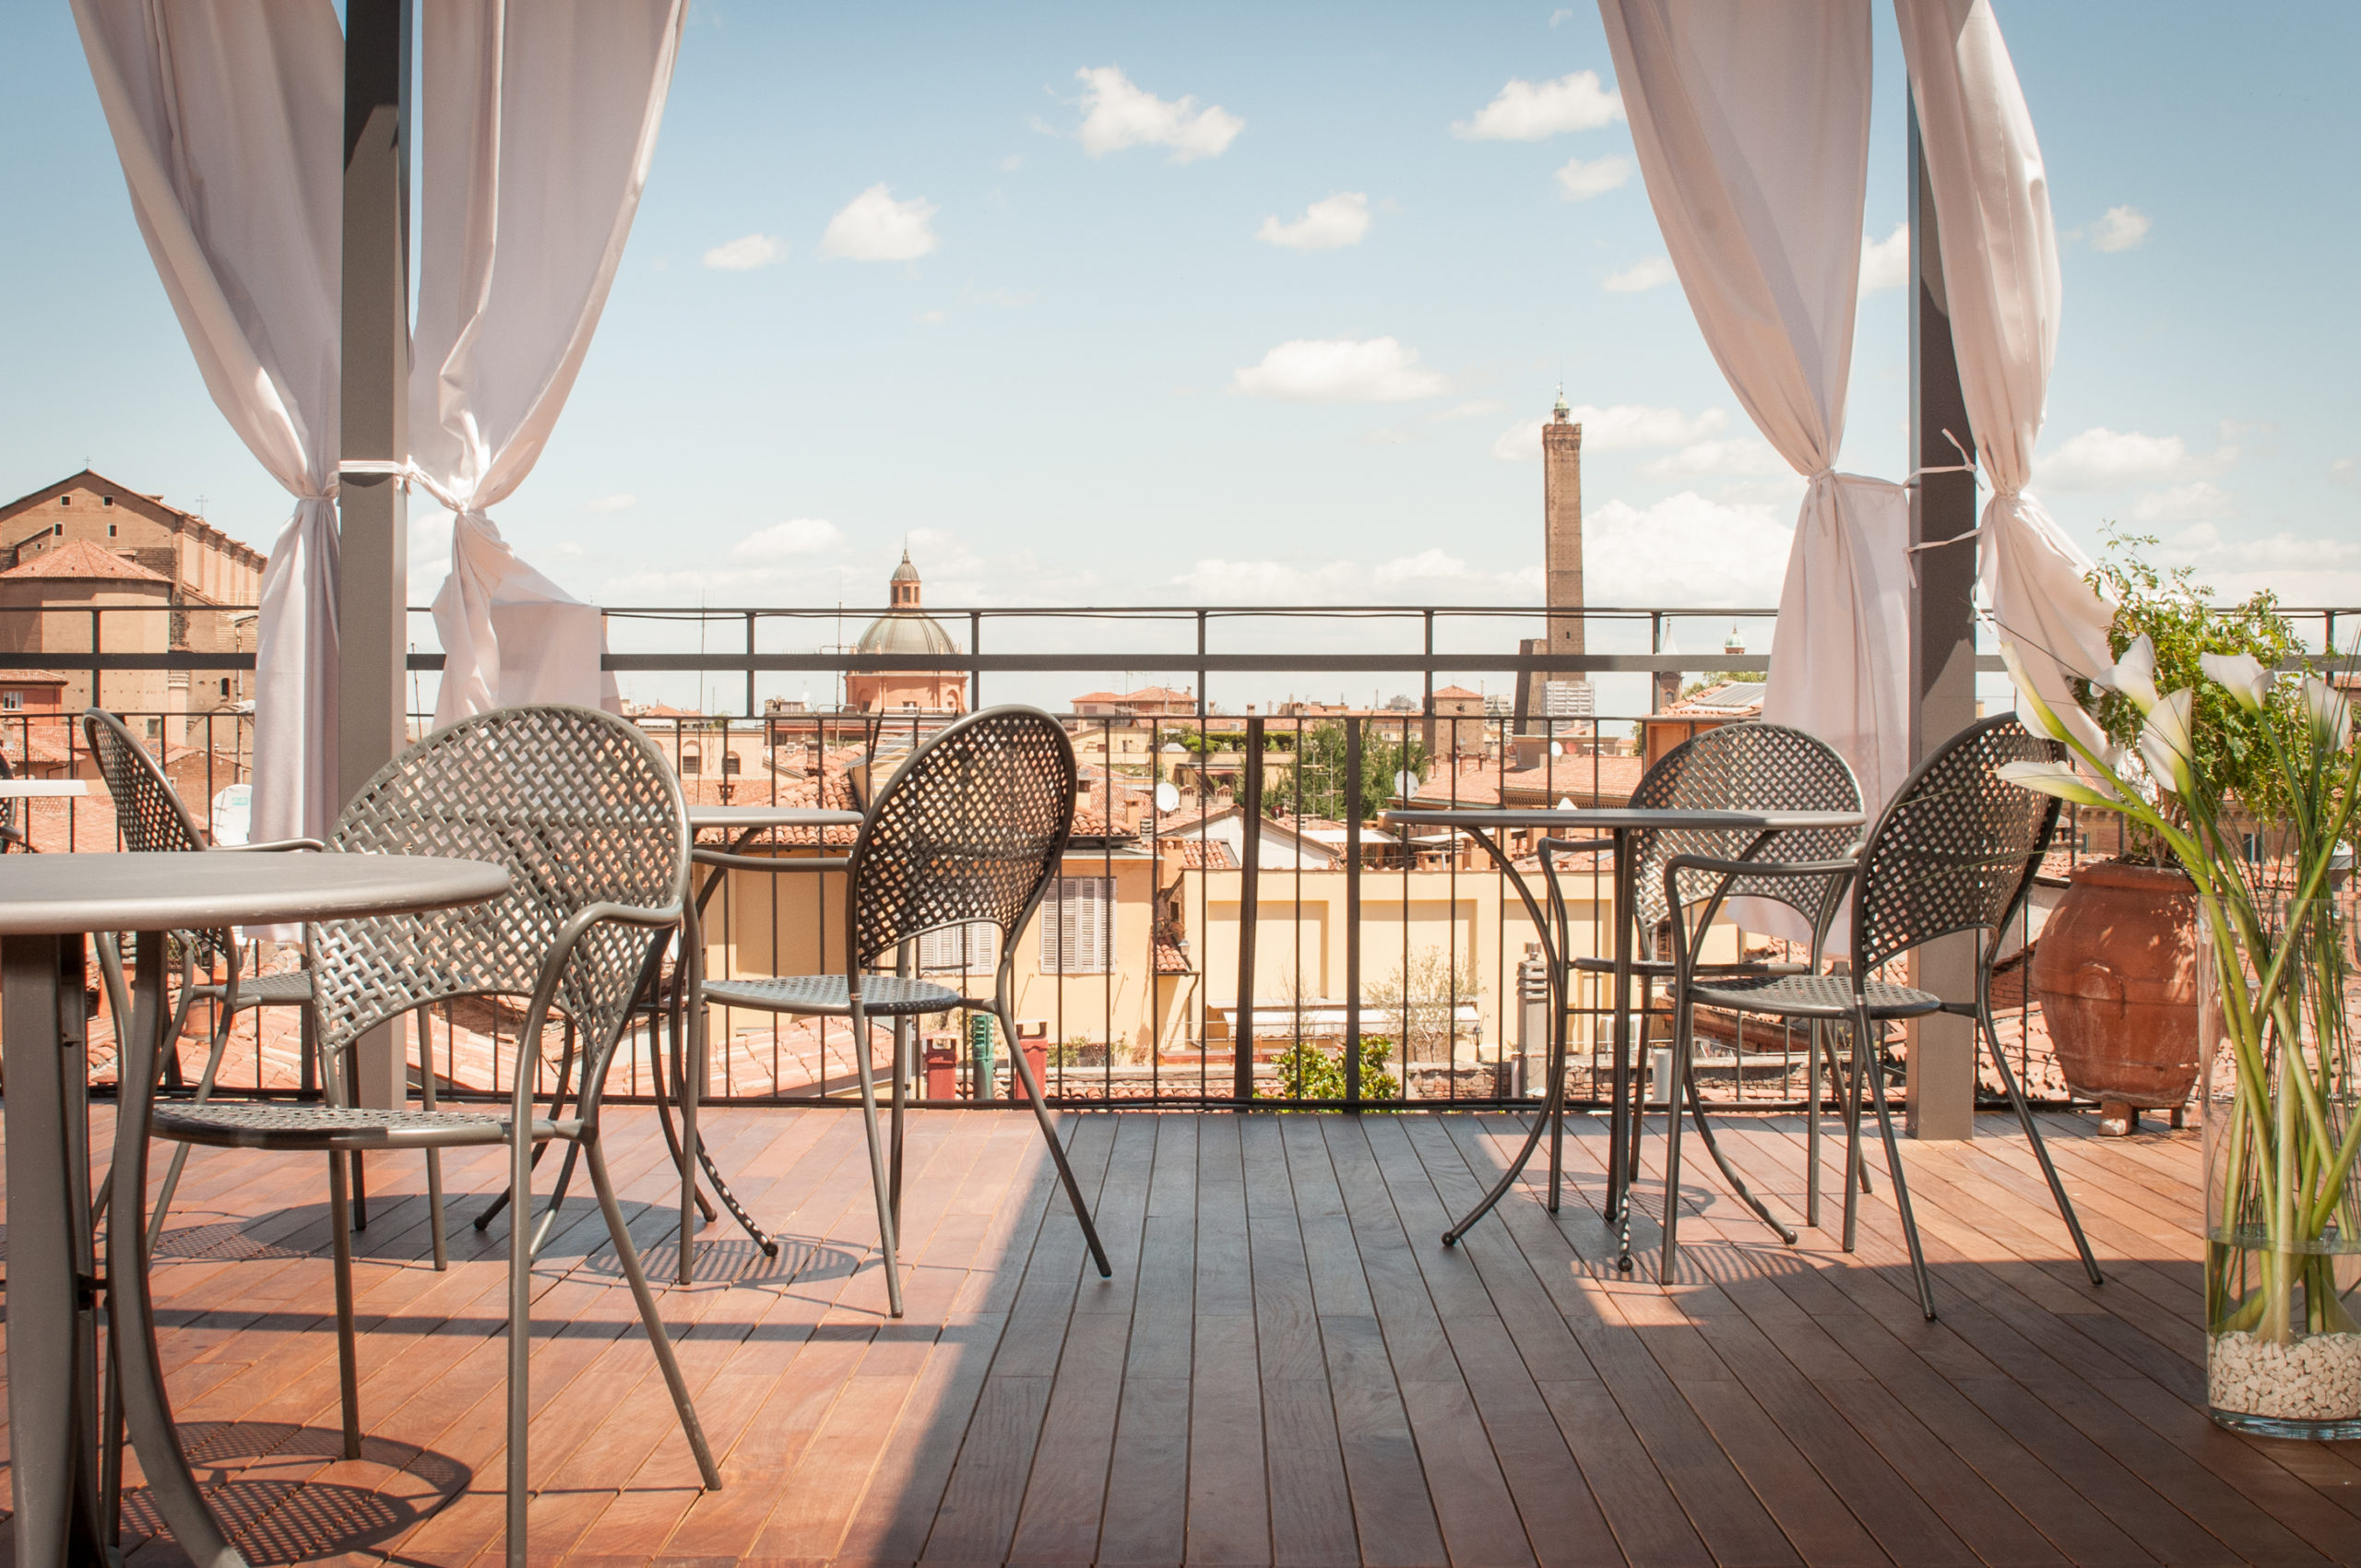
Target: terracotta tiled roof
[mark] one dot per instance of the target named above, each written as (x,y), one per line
(1585,781)
(1458,693)
(1204,854)
(79,558)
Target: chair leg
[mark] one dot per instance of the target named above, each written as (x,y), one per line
(1671,1254)
(1730,1173)
(347,1368)
(656,1337)
(876,1161)
(1855,1166)
(426,1095)
(2040,1149)
(180,1151)
(901,1095)
(520,1334)
(1811,1128)
(1900,1185)
(1057,1148)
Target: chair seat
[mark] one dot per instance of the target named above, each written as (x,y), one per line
(1656,967)
(333,1127)
(1814,996)
(881,995)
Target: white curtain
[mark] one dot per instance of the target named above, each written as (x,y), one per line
(1752,122)
(229,118)
(2000,280)
(539,122)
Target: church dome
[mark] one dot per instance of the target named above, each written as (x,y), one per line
(904,631)
(904,628)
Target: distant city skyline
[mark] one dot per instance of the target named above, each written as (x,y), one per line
(1234,306)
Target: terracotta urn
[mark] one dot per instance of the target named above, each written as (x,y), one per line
(2116,971)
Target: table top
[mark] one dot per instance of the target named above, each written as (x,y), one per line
(771,816)
(36,789)
(55,894)
(1610,817)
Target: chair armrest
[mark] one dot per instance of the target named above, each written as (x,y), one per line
(274,846)
(774,864)
(1573,846)
(1761,868)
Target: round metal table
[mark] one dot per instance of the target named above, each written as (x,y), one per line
(60,1467)
(1482,823)
(689,1043)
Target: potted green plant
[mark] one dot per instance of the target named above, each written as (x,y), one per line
(2279,992)
(2116,968)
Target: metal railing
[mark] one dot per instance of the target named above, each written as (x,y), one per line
(1317,960)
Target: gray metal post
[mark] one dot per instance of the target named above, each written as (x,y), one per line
(373,597)
(1353,808)
(1941,1100)
(1249,882)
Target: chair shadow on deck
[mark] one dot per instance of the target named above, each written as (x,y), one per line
(293,1517)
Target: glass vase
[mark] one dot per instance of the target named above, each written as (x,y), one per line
(2282,1185)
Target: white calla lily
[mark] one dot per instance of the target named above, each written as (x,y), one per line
(2058,778)
(2027,697)
(2135,673)
(2330,714)
(2241,674)
(2165,742)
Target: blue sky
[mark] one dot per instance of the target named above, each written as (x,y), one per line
(1050,352)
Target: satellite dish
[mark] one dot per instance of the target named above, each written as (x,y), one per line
(233,813)
(1557,750)
(1406,784)
(1565,802)
(1168,798)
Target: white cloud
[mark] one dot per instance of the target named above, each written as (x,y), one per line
(1685,550)
(1640,276)
(933,317)
(1524,111)
(1340,370)
(874,227)
(2345,471)
(1117,114)
(2119,229)
(1476,409)
(1579,181)
(1885,264)
(2301,571)
(793,539)
(1744,455)
(1327,224)
(2196,502)
(622,501)
(1621,428)
(1432,576)
(745,254)
(2100,458)
(1559,16)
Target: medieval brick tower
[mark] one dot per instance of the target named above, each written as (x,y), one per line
(1561,507)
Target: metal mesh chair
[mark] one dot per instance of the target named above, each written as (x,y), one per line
(1956,850)
(154,820)
(582,810)
(970,830)
(1752,766)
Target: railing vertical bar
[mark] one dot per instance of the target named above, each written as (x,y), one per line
(1249,881)
(1352,912)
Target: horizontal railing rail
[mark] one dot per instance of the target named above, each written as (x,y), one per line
(1319,961)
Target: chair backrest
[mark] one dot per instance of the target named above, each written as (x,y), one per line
(578,805)
(1745,767)
(147,811)
(9,832)
(1958,847)
(146,808)
(970,829)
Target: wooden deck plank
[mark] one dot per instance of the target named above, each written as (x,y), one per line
(1288,1369)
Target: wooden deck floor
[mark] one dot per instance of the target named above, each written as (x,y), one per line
(1287,1368)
